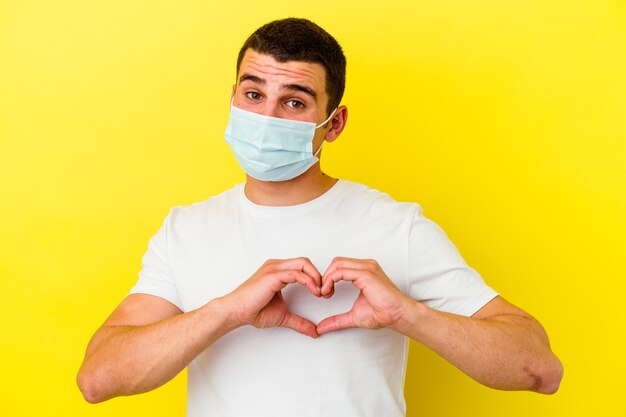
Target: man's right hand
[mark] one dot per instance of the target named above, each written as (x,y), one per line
(259,301)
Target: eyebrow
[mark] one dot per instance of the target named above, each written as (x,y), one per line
(262,82)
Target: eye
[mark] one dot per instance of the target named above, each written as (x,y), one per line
(296,104)
(253,95)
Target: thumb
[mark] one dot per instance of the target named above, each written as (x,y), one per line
(300,325)
(334,323)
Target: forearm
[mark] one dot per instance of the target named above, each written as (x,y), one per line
(125,360)
(508,352)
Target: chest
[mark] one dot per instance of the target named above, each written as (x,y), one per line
(220,255)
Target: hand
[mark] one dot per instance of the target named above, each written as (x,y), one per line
(259,301)
(379,304)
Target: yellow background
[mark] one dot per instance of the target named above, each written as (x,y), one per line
(505,120)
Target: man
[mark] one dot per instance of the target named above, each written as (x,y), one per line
(294,294)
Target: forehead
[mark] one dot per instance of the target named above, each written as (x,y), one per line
(266,67)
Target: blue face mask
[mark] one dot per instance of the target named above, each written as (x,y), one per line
(271,148)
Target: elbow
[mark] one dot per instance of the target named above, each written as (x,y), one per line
(548,380)
(554,379)
(90,387)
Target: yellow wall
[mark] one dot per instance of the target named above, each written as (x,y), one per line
(504,119)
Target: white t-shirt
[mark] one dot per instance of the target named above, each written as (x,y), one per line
(209,248)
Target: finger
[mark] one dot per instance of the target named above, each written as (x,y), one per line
(330,293)
(334,323)
(351,263)
(300,325)
(302,264)
(284,278)
(342,274)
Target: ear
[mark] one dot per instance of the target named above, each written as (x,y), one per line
(337,124)
(232,94)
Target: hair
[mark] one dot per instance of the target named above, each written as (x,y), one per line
(294,39)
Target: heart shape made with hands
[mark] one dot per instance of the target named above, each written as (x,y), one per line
(362,294)
(314,308)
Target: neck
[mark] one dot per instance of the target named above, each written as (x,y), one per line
(306,187)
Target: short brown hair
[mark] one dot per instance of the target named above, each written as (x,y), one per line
(294,39)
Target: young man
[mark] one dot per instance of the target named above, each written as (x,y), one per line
(295,293)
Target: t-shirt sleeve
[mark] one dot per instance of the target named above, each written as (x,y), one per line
(156,277)
(438,275)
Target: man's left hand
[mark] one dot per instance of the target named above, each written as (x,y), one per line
(379,304)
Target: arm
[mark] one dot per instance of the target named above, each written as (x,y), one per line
(501,346)
(147,340)
(143,344)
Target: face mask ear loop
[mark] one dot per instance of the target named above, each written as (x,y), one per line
(320,125)
(318,150)
(326,121)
